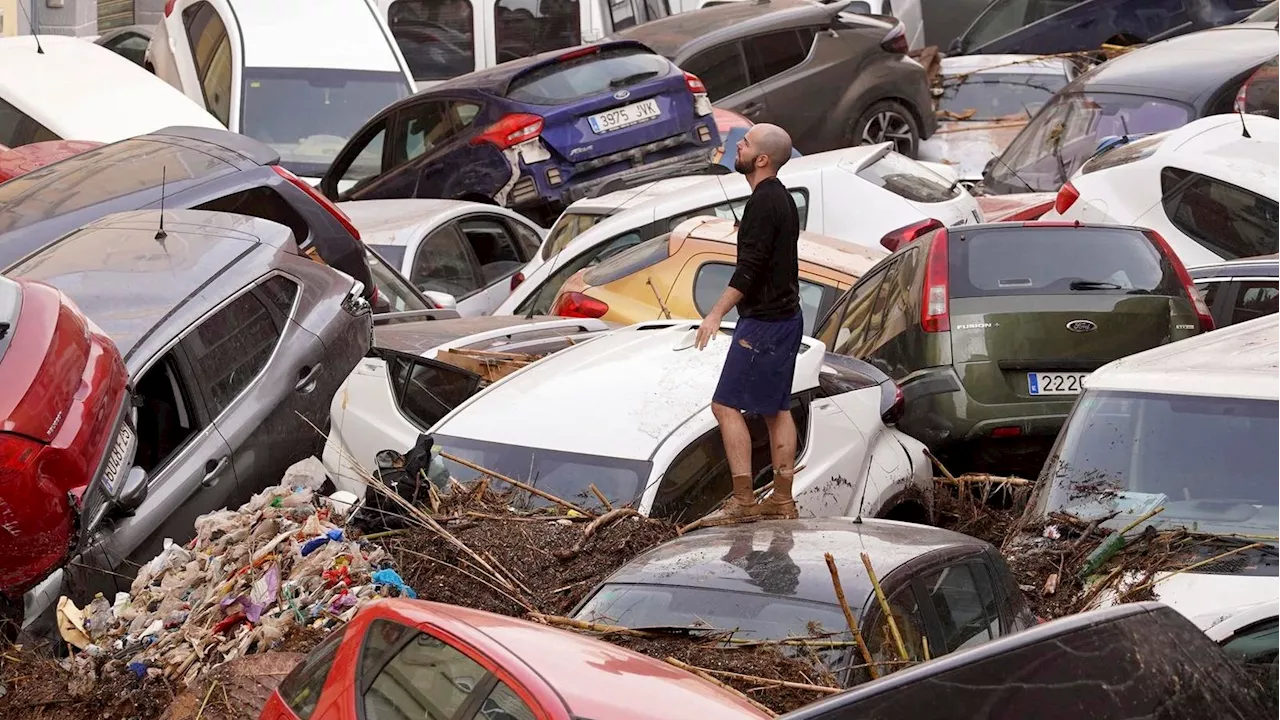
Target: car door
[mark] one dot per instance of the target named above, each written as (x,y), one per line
(723,70)
(214,60)
(445,263)
(776,72)
(499,255)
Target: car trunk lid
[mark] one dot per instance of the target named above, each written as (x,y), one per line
(42,334)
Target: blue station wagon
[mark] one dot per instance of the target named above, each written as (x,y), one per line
(533,134)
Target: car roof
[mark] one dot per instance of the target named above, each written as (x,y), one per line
(424,335)
(400,221)
(82,91)
(1240,361)
(839,255)
(696,559)
(343,34)
(128,282)
(594,678)
(651,387)
(1010,64)
(1266,266)
(674,35)
(1185,67)
(1216,146)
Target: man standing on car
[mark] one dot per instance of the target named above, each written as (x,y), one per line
(765,287)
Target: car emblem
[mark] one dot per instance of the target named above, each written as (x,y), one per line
(1082,326)
(621,95)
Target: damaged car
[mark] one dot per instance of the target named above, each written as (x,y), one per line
(234,343)
(630,413)
(533,134)
(1237,291)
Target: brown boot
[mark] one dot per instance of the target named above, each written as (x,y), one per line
(740,507)
(780,504)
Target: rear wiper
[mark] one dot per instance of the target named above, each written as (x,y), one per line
(634,77)
(1093,285)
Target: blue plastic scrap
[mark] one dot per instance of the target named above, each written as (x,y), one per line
(391,577)
(311,545)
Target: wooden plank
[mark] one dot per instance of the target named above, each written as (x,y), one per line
(491,367)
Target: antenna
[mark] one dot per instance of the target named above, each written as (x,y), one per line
(1014,172)
(1243,127)
(1124,124)
(34,34)
(736,220)
(161,234)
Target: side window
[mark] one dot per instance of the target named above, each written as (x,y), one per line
(622,14)
(722,69)
(211,49)
(999,19)
(232,346)
(167,417)
(1255,647)
(713,277)
(1229,220)
(494,247)
(1256,298)
(540,301)
(427,391)
(426,678)
(775,53)
(425,127)
(889,312)
(301,688)
(857,314)
(352,170)
(910,623)
(965,603)
(504,704)
(131,46)
(733,210)
(265,203)
(528,240)
(1209,293)
(444,264)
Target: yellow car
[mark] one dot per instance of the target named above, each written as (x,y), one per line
(683,273)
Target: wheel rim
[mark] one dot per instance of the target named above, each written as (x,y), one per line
(888,126)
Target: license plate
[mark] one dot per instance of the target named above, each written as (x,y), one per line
(623,116)
(1056,383)
(119,454)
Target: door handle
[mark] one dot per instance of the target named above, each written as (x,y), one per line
(307,378)
(752,109)
(213,470)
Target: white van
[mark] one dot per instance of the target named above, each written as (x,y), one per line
(1190,427)
(442,39)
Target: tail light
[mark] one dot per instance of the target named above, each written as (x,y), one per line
(1197,302)
(511,130)
(17,456)
(323,201)
(168,7)
(1006,431)
(894,412)
(910,233)
(695,84)
(516,280)
(1067,197)
(701,101)
(935,313)
(896,41)
(1265,75)
(579,52)
(576,304)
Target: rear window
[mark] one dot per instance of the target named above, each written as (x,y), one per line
(1058,261)
(632,260)
(1125,154)
(10,304)
(104,174)
(908,179)
(995,96)
(604,71)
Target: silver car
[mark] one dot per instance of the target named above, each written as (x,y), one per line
(234,342)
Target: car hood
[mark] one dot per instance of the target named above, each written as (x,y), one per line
(1208,599)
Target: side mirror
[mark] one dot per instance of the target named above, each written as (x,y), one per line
(132,492)
(442,300)
(986,169)
(956,47)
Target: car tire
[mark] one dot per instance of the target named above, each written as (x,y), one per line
(887,120)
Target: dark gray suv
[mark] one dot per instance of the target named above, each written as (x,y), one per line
(831,78)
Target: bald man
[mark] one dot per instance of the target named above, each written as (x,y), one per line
(765,288)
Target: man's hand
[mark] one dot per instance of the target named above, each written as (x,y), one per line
(707,330)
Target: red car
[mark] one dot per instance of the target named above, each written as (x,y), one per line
(62,415)
(22,160)
(403,659)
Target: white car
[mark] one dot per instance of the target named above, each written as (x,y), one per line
(1210,188)
(399,389)
(298,75)
(857,195)
(985,101)
(462,255)
(64,88)
(630,412)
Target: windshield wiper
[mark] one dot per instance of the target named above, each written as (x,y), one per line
(634,77)
(1266,545)
(1093,285)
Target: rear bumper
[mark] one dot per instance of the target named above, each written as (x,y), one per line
(939,412)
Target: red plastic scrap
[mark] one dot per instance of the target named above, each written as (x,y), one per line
(228,623)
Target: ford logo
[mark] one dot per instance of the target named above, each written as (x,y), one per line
(621,95)
(1082,326)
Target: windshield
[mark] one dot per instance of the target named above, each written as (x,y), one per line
(1210,462)
(583,77)
(564,474)
(993,96)
(395,294)
(10,304)
(1066,133)
(308,114)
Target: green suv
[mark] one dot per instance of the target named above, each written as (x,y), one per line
(990,330)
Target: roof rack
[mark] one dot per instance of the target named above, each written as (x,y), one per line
(651,175)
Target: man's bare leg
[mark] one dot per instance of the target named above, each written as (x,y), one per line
(737,449)
(782,449)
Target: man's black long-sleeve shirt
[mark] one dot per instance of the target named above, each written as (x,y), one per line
(768,269)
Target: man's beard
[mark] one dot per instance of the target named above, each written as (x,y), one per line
(743,165)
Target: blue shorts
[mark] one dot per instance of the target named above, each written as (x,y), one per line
(760,366)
